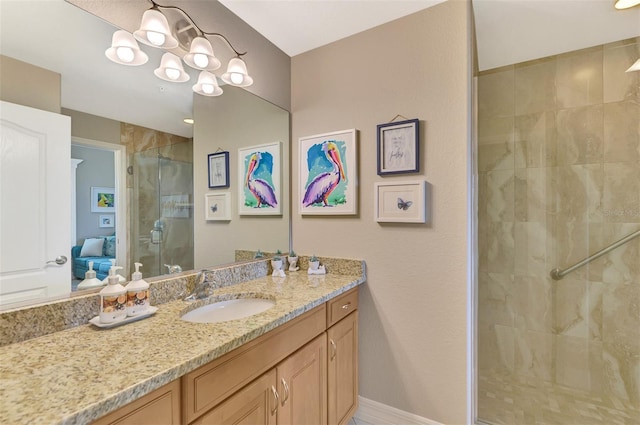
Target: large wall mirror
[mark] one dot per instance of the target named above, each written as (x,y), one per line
(163,169)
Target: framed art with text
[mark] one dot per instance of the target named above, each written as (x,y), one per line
(399,147)
(218,165)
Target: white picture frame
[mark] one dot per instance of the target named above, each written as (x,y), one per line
(103,199)
(342,168)
(266,175)
(106,220)
(217,206)
(400,202)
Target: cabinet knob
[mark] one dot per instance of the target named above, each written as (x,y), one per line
(333,349)
(346,306)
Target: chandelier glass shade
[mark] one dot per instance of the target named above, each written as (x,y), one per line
(125,51)
(236,74)
(207,85)
(171,69)
(155,31)
(201,56)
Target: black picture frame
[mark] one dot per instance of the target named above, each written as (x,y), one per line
(399,147)
(218,166)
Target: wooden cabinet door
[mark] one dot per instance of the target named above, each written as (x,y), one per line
(343,370)
(161,406)
(255,404)
(302,385)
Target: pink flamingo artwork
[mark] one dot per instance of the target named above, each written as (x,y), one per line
(323,184)
(260,188)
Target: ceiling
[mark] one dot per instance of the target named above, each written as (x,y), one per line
(507,31)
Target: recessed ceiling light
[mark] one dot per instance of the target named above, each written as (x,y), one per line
(625,4)
(188,120)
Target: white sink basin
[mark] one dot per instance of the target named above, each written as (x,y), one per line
(223,311)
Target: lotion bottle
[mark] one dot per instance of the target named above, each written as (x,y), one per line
(137,293)
(113,299)
(121,279)
(90,279)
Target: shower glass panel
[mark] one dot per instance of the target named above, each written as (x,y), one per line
(162,221)
(559,179)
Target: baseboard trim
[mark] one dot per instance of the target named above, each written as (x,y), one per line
(380,414)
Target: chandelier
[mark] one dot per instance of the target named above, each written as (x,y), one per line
(155,31)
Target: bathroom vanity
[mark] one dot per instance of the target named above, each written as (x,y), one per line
(294,363)
(302,372)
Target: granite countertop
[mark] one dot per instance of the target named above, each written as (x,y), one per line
(80,374)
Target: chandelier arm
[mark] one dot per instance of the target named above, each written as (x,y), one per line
(211,34)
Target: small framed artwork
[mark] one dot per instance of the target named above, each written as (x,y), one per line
(218,169)
(400,202)
(103,199)
(106,220)
(328,170)
(259,174)
(217,206)
(399,147)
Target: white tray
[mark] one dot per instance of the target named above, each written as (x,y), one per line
(96,320)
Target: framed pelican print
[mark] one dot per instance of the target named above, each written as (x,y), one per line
(328,170)
(259,178)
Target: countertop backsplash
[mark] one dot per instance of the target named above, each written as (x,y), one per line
(21,324)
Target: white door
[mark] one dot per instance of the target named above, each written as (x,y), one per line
(35,151)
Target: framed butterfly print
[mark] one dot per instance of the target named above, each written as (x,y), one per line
(217,206)
(400,202)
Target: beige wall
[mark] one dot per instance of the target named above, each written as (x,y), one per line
(413,323)
(234,120)
(29,85)
(93,127)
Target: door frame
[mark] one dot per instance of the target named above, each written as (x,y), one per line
(120,182)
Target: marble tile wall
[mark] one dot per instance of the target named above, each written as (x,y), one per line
(559,178)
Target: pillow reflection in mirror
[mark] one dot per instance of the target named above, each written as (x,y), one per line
(110,246)
(92,247)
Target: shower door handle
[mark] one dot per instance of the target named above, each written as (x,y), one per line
(156,236)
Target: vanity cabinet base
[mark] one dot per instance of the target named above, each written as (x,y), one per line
(303,372)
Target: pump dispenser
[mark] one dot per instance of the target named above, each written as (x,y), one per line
(113,298)
(90,279)
(137,293)
(121,279)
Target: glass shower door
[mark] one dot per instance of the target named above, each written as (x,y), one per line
(162,221)
(559,166)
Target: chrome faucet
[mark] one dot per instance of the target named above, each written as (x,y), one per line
(173,268)
(202,288)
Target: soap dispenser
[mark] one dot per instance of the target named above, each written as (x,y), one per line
(90,279)
(121,279)
(137,293)
(113,299)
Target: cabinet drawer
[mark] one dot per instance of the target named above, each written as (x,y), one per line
(341,306)
(212,383)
